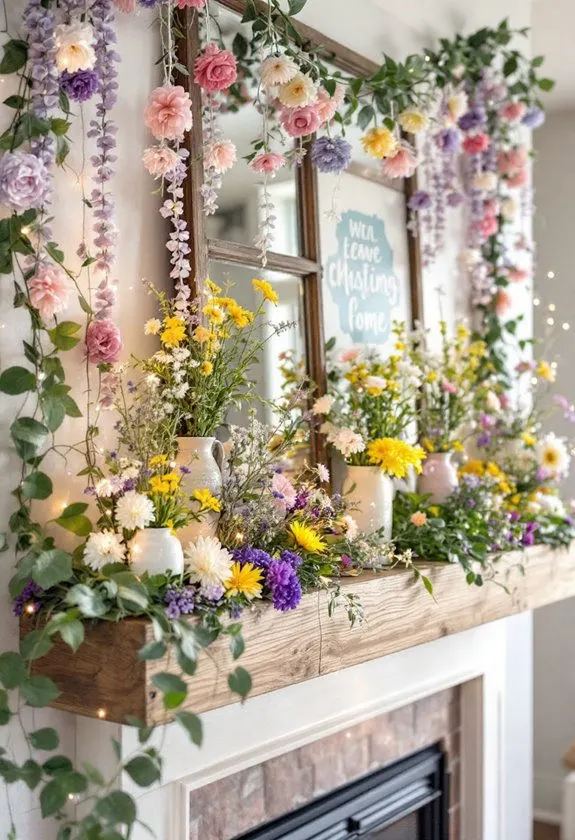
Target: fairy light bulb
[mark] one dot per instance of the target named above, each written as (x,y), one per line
(536,301)
(102,713)
(551,275)
(566,326)
(30,609)
(239,536)
(534,380)
(551,307)
(25,230)
(550,322)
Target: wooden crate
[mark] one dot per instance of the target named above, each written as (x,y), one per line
(287,648)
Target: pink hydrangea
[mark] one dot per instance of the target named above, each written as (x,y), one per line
(491,207)
(267,162)
(49,290)
(103,342)
(502,302)
(215,69)
(168,113)
(512,111)
(220,155)
(299,122)
(190,4)
(476,143)
(159,160)
(400,165)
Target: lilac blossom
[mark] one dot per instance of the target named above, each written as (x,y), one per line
(447,141)
(180,601)
(284,584)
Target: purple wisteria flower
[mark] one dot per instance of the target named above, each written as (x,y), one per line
(447,141)
(455,199)
(148,4)
(27,598)
(284,584)
(420,200)
(178,243)
(79,86)
(23,181)
(180,601)
(331,154)
(533,117)
(475,117)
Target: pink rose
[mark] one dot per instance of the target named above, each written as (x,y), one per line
(400,165)
(168,113)
(215,69)
(476,143)
(299,122)
(488,226)
(103,342)
(159,160)
(326,106)
(349,355)
(508,162)
(220,155)
(518,179)
(502,302)
(190,4)
(513,111)
(267,162)
(49,290)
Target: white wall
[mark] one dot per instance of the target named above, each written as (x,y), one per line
(370,28)
(554,658)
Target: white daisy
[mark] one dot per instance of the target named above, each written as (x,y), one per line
(209,563)
(134,510)
(103,547)
(277,70)
(348,442)
(153,326)
(553,455)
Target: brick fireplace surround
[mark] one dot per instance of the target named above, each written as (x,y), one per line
(230,806)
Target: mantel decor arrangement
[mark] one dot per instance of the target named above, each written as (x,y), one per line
(175,544)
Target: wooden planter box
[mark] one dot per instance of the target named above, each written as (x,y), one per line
(287,648)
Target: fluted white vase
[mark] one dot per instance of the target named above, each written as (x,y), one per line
(156,550)
(438,478)
(370,493)
(203,458)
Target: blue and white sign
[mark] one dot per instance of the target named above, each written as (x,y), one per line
(361,279)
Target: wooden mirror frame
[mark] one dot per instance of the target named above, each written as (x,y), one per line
(307,265)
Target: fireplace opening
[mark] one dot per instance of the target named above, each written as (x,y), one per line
(407,800)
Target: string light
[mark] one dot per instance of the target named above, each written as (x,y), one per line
(102,713)
(30,609)
(550,321)
(239,536)
(534,380)
(25,230)
(551,275)
(551,307)
(136,549)
(566,326)
(536,301)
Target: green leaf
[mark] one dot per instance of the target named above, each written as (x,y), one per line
(35,645)
(240,682)
(153,650)
(5,713)
(12,670)
(72,519)
(93,774)
(510,66)
(52,567)
(29,431)
(63,335)
(131,590)
(295,6)
(546,84)
(116,807)
(39,691)
(537,61)
(59,126)
(365,116)
(250,12)
(143,770)
(31,773)
(173,687)
(53,411)
(14,58)
(193,725)
(187,665)
(72,634)
(45,739)
(58,765)
(9,771)
(62,150)
(15,101)
(237,645)
(53,798)
(37,485)
(17,380)
(90,602)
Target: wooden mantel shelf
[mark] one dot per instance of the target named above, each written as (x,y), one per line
(288,648)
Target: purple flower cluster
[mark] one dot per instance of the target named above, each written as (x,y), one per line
(474,118)
(280,574)
(39,25)
(331,154)
(27,598)
(180,601)
(420,200)
(79,86)
(23,181)
(447,141)
(529,531)
(178,243)
(533,117)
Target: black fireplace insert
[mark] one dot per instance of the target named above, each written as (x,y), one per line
(407,800)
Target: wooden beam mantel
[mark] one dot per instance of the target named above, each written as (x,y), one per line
(283,649)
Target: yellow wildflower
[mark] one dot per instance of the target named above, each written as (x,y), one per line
(158,460)
(516,499)
(307,538)
(152,327)
(413,121)
(545,371)
(428,445)
(214,313)
(201,334)
(172,479)
(158,485)
(244,580)
(241,317)
(212,287)
(528,439)
(379,142)
(206,368)
(493,470)
(174,331)
(477,348)
(434,510)
(431,376)
(395,457)
(419,518)
(462,332)
(400,346)
(266,290)
(473,467)
(457,446)
(505,488)
(206,500)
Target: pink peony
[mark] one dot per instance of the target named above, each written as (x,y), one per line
(502,302)
(215,69)
(127,6)
(518,179)
(476,143)
(448,387)
(168,113)
(49,290)
(284,492)
(517,275)
(220,155)
(513,111)
(326,106)
(298,122)
(349,355)
(190,4)
(103,342)
(159,160)
(267,162)
(488,226)
(402,164)
(508,162)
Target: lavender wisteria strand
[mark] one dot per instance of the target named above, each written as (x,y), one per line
(103,130)
(178,242)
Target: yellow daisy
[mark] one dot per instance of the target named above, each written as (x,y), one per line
(206,500)
(158,485)
(206,368)
(528,439)
(244,580)
(158,460)
(214,313)
(394,456)
(174,331)
(307,538)
(201,334)
(266,290)
(545,371)
(379,142)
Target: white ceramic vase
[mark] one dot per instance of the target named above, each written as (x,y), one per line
(438,478)
(204,458)
(370,493)
(156,550)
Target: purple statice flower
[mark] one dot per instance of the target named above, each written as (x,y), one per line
(420,200)
(475,117)
(23,181)
(26,598)
(79,86)
(292,558)
(484,440)
(129,484)
(214,592)
(148,4)
(256,556)
(533,117)
(235,611)
(185,470)
(180,601)
(282,580)
(568,520)
(455,199)
(447,141)
(331,154)
(301,501)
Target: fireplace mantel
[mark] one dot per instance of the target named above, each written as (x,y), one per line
(290,648)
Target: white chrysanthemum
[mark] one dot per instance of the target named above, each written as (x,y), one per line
(103,547)
(323,405)
(134,510)
(485,181)
(351,527)
(300,91)
(348,442)
(208,562)
(74,47)
(509,209)
(553,455)
(153,326)
(551,504)
(104,488)
(277,70)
